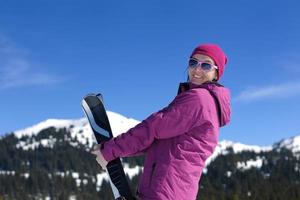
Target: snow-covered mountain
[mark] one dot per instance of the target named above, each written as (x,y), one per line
(79,128)
(292,143)
(79,135)
(223,146)
(81,131)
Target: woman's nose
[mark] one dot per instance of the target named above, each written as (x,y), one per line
(198,68)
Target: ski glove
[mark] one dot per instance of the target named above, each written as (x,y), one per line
(99,157)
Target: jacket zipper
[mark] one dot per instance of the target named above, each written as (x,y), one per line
(152,172)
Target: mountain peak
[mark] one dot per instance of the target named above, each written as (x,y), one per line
(292,143)
(79,129)
(57,123)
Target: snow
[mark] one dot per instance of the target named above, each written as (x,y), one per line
(249,194)
(79,130)
(228,174)
(7,172)
(292,143)
(222,149)
(250,163)
(72,125)
(119,123)
(239,147)
(100,178)
(35,129)
(81,133)
(35,144)
(85,181)
(78,182)
(131,172)
(75,175)
(297,168)
(26,175)
(73,197)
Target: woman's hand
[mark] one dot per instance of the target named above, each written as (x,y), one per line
(100,159)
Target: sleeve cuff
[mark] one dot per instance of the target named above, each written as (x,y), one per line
(107,154)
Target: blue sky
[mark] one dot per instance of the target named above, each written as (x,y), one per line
(52,53)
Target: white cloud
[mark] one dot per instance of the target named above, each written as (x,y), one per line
(283,90)
(18,71)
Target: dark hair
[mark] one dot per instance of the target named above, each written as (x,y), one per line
(216,79)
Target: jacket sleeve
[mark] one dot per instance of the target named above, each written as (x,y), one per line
(178,117)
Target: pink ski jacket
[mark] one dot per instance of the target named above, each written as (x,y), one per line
(176,141)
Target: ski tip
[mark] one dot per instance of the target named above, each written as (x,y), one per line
(100,96)
(93,94)
(89,94)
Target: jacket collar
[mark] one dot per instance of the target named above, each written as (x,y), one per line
(220,94)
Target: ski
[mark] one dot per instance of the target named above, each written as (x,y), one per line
(95,112)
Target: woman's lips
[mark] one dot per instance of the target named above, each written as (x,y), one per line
(196,76)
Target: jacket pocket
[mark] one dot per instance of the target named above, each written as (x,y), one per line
(151,174)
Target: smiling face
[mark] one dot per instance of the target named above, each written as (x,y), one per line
(198,75)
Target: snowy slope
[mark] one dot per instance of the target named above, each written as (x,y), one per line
(292,143)
(81,131)
(222,148)
(79,128)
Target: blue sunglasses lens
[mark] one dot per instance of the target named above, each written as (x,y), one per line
(206,66)
(194,63)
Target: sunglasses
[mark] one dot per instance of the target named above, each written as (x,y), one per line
(194,63)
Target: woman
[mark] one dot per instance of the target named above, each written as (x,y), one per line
(179,138)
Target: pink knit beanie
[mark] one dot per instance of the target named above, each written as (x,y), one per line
(214,52)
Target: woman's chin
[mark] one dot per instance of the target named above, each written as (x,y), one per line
(197,81)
